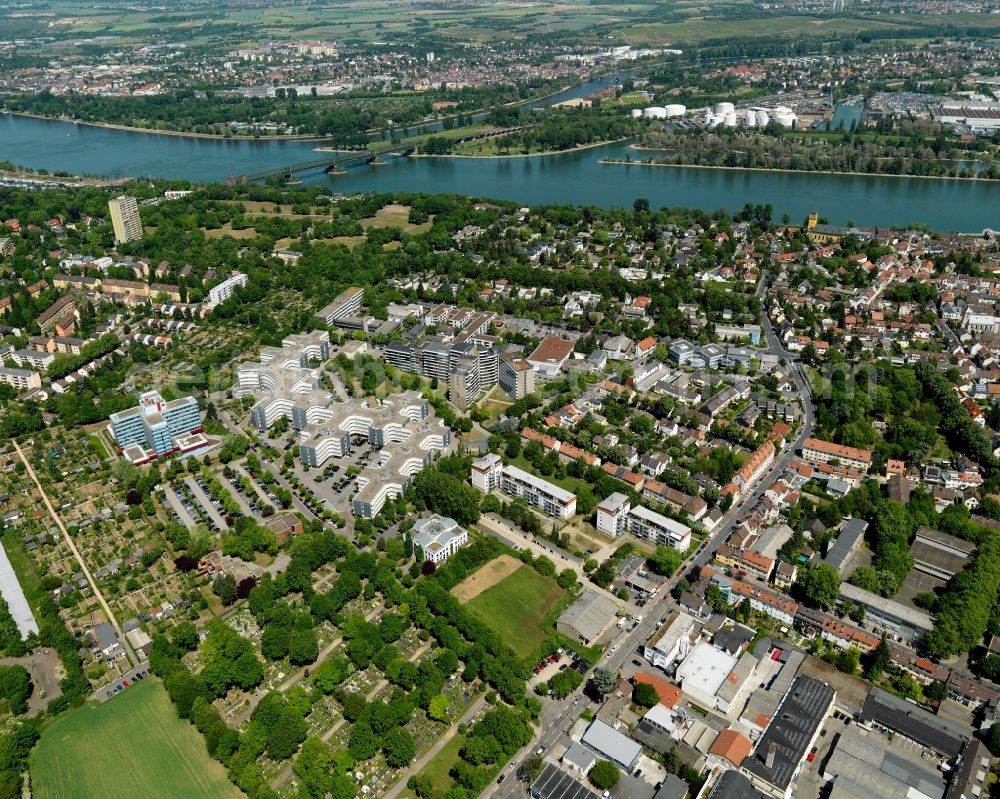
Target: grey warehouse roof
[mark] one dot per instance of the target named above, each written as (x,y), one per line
(915,723)
(794,724)
(610,743)
(589,615)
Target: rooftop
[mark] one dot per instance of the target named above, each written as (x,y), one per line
(553,783)
(791,731)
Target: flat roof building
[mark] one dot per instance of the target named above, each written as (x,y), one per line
(223,291)
(549,356)
(554,783)
(611,744)
(886,614)
(439,537)
(547,497)
(863,763)
(889,713)
(21,379)
(517,377)
(661,530)
(348,303)
(781,751)
(125,220)
(155,427)
(587,618)
(938,554)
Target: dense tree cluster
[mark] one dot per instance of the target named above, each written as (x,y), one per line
(775,148)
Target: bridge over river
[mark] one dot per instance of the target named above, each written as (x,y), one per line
(339,159)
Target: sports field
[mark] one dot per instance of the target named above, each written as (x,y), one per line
(515,606)
(130,746)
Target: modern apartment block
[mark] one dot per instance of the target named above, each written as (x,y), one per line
(816,450)
(657,528)
(612,514)
(400,426)
(225,289)
(348,304)
(285,385)
(125,220)
(155,428)
(283,382)
(486,472)
(21,379)
(548,498)
(517,377)
(463,384)
(616,516)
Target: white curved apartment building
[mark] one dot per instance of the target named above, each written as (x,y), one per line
(400,426)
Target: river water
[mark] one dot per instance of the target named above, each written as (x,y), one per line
(576,177)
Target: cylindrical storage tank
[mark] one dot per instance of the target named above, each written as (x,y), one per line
(785,120)
(655,112)
(676,110)
(762,119)
(729,120)
(635,113)
(750,119)
(722,109)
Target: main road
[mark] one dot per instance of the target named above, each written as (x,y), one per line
(557,717)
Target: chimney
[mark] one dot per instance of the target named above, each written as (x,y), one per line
(769,757)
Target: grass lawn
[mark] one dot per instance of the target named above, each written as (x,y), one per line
(439,767)
(131,745)
(516,606)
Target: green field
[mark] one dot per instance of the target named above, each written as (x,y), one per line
(130,746)
(440,766)
(516,606)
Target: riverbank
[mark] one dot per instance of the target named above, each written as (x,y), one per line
(62,180)
(179,133)
(576,149)
(623,162)
(293,138)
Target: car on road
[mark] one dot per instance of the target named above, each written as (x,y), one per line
(501,778)
(812,755)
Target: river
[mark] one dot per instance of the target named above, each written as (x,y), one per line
(574,177)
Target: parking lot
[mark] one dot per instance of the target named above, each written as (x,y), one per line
(112,689)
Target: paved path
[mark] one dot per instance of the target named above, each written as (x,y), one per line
(79,558)
(428,756)
(370,696)
(297,675)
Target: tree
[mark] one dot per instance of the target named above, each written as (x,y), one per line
(879,659)
(645,695)
(185,635)
(398,747)
(820,585)
(224,587)
(604,775)
(567,579)
(303,647)
(530,768)
(993,739)
(665,560)
(437,708)
(604,680)
(364,743)
(312,766)
(284,738)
